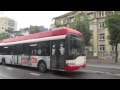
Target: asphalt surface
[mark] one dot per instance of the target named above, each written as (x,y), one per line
(92,71)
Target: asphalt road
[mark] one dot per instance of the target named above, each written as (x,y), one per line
(91,72)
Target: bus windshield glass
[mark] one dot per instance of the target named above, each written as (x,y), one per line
(74,47)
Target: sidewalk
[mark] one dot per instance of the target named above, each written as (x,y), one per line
(106,61)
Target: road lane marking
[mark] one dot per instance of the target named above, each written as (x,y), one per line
(35,74)
(9,68)
(110,67)
(100,72)
(92,71)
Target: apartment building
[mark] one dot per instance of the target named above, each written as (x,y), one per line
(7,24)
(100,46)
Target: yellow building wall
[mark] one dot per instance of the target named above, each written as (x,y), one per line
(95,39)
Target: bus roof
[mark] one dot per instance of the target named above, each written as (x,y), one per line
(53,32)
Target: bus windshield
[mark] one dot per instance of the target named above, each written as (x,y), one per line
(74,47)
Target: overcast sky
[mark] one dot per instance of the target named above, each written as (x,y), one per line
(27,18)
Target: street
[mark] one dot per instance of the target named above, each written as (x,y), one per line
(92,71)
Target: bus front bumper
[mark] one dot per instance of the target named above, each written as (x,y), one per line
(70,68)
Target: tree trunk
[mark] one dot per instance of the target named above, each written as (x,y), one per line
(116,58)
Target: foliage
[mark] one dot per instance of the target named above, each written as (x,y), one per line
(113,23)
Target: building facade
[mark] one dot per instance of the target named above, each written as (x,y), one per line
(7,24)
(100,47)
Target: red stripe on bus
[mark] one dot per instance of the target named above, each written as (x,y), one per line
(72,68)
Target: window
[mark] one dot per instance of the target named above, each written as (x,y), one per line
(102,25)
(44,48)
(101,36)
(71,19)
(74,47)
(2,50)
(11,23)
(7,50)
(101,47)
(33,49)
(99,14)
(99,25)
(95,14)
(11,28)
(102,13)
(106,13)
(91,16)
(17,49)
(65,21)
(25,49)
(91,25)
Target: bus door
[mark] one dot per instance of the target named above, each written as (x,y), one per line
(25,58)
(57,54)
(17,54)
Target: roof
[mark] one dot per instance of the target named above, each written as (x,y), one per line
(64,15)
(54,32)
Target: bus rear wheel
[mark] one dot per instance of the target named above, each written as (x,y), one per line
(42,67)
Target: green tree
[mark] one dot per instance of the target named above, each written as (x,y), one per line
(9,31)
(81,23)
(4,35)
(36,29)
(18,34)
(33,29)
(113,23)
(15,34)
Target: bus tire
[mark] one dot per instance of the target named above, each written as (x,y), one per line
(3,61)
(42,66)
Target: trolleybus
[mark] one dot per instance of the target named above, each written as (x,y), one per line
(58,49)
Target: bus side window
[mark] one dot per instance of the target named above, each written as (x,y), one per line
(8,50)
(44,48)
(34,52)
(25,49)
(39,51)
(33,48)
(62,49)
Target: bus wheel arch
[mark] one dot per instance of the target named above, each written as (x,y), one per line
(42,67)
(3,61)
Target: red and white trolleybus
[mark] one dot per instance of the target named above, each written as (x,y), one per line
(58,49)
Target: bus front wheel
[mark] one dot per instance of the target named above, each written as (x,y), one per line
(42,67)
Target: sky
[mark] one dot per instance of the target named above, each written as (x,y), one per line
(27,18)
